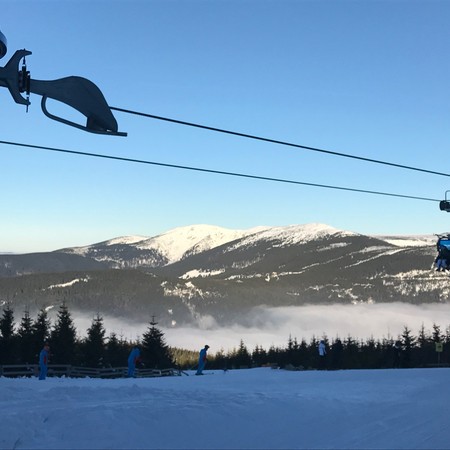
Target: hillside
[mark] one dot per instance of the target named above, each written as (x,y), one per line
(197,271)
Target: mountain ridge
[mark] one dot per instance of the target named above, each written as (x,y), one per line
(225,275)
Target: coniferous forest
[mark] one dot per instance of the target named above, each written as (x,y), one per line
(21,342)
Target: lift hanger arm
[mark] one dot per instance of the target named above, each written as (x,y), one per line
(77,92)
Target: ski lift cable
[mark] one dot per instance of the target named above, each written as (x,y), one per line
(216,172)
(275,141)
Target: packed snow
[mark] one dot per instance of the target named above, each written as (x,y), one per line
(238,409)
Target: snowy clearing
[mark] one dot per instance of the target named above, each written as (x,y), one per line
(254,408)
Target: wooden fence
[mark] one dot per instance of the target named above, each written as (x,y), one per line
(60,370)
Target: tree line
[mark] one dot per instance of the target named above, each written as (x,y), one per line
(21,344)
(94,350)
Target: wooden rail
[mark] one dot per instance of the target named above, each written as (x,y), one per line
(59,370)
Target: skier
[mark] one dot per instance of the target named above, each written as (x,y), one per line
(133,358)
(43,361)
(397,354)
(202,360)
(322,355)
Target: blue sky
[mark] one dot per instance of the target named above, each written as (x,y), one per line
(368,78)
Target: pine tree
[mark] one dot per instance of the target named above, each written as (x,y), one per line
(63,338)
(408,342)
(7,341)
(350,353)
(259,356)
(25,340)
(116,352)
(422,339)
(370,354)
(41,332)
(155,351)
(288,354)
(7,323)
(426,350)
(437,335)
(243,358)
(94,344)
(336,354)
(273,355)
(296,359)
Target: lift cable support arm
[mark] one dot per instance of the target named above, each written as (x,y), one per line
(76,92)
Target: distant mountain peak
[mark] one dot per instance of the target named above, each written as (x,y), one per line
(175,243)
(294,234)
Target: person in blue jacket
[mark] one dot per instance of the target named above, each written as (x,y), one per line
(202,360)
(43,361)
(133,358)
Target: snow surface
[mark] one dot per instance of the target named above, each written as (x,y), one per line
(175,243)
(239,409)
(292,234)
(409,241)
(126,240)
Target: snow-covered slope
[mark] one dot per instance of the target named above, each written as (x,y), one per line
(166,248)
(183,241)
(409,241)
(292,235)
(179,243)
(208,270)
(238,409)
(122,240)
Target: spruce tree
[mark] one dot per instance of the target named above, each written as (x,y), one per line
(25,340)
(288,354)
(243,358)
(155,351)
(426,350)
(437,335)
(116,352)
(273,355)
(94,344)
(336,354)
(259,356)
(7,341)
(350,353)
(41,332)
(408,342)
(63,338)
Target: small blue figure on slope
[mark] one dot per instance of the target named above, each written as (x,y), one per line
(202,360)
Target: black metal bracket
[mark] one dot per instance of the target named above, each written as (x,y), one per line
(444,205)
(76,92)
(3,45)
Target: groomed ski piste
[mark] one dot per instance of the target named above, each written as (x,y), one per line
(239,409)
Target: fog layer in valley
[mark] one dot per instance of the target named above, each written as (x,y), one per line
(273,326)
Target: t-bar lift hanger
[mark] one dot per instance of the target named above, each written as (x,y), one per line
(77,92)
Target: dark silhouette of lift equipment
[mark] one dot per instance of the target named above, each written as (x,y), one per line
(444,205)
(76,92)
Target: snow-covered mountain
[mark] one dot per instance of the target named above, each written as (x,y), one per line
(182,242)
(207,271)
(161,250)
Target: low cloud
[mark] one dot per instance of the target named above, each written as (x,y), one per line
(273,326)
